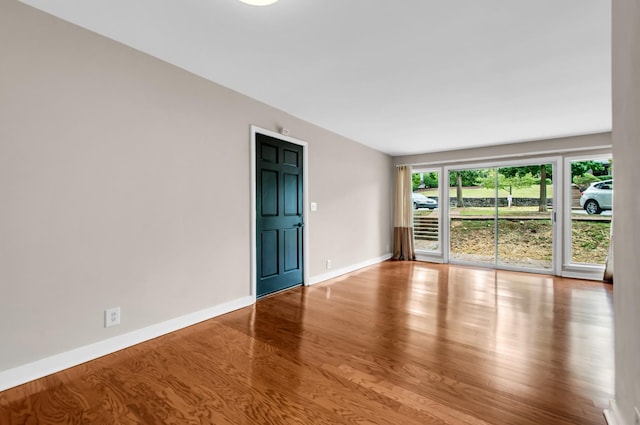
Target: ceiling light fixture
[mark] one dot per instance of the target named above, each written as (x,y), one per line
(259,2)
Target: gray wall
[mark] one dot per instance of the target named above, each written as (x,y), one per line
(125,181)
(587,144)
(626,171)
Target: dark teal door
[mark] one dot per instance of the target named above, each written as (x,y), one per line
(279,219)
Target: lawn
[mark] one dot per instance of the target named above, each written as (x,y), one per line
(517,240)
(502,212)
(489,211)
(529,239)
(590,241)
(481,192)
(526,238)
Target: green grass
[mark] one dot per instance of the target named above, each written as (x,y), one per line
(529,238)
(590,241)
(502,212)
(480,192)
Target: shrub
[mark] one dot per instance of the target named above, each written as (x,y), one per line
(585,180)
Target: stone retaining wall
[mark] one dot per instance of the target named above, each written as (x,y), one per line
(489,202)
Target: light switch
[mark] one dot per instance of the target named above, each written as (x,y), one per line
(314,206)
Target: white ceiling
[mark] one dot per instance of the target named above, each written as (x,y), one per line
(402,76)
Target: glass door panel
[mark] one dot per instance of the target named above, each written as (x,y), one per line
(472,221)
(525,208)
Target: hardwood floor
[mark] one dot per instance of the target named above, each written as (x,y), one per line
(395,343)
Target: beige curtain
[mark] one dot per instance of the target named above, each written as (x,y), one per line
(403,248)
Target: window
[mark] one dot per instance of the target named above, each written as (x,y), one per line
(426,211)
(591,189)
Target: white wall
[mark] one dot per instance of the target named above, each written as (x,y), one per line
(626,171)
(125,182)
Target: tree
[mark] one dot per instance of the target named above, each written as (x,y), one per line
(424,180)
(534,170)
(508,183)
(459,198)
(583,181)
(415,181)
(543,171)
(431,179)
(580,168)
(542,207)
(468,177)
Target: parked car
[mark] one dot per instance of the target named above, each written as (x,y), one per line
(421,201)
(597,197)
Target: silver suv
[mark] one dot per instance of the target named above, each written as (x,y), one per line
(597,197)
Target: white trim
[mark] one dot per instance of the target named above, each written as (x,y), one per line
(305,201)
(40,368)
(520,156)
(559,188)
(613,415)
(339,272)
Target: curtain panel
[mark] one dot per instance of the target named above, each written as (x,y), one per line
(403,248)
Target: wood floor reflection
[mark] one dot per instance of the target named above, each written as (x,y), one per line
(395,343)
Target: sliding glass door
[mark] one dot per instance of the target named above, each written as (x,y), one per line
(503,217)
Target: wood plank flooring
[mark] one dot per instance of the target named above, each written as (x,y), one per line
(395,343)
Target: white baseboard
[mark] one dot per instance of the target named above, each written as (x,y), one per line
(40,368)
(344,270)
(612,414)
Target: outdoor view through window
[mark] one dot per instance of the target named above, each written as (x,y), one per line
(503,216)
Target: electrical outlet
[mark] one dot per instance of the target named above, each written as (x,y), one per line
(328,264)
(111,317)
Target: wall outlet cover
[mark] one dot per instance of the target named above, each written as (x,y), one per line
(111,317)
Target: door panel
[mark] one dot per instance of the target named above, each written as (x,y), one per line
(291,157)
(269,193)
(291,201)
(279,219)
(291,257)
(502,217)
(269,248)
(471,219)
(525,226)
(269,153)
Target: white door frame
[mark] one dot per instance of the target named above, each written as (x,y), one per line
(305,203)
